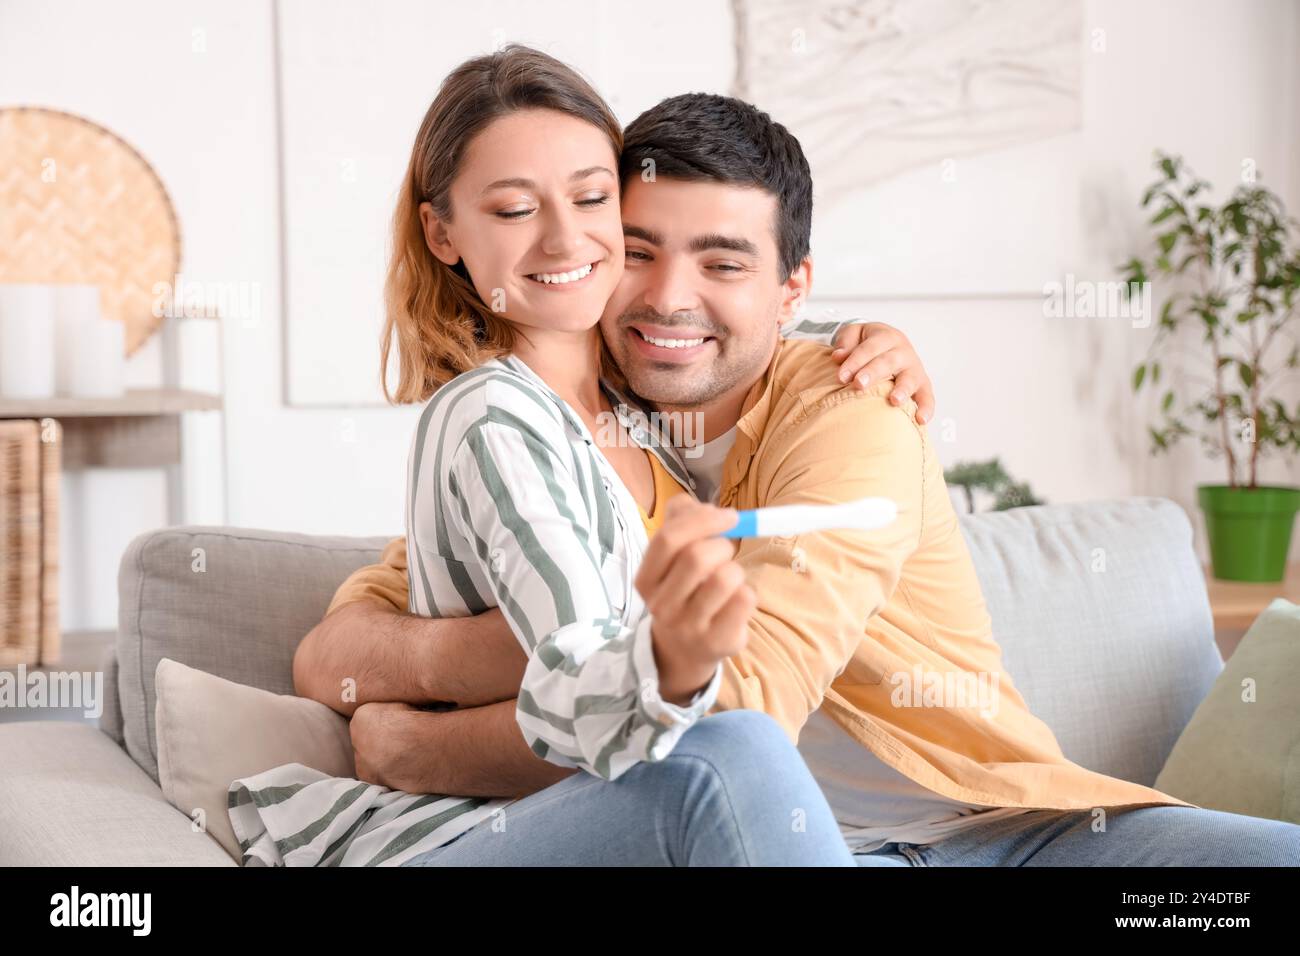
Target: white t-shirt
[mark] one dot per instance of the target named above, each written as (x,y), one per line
(873,803)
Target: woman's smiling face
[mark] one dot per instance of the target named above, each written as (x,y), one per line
(535,217)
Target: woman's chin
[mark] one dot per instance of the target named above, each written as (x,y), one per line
(570,311)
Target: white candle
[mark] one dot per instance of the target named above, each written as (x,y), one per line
(99,360)
(75,306)
(26,341)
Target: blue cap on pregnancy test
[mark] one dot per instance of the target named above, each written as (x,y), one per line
(865,514)
(746,525)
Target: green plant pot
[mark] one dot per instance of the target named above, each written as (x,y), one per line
(1249,530)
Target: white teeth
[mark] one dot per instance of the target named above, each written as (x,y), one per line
(673,343)
(550,278)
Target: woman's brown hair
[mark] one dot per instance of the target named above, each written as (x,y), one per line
(441,324)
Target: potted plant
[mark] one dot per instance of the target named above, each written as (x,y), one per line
(990,476)
(1240,281)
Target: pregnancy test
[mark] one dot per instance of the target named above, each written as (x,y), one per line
(865,514)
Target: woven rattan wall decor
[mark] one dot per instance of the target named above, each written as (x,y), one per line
(81,206)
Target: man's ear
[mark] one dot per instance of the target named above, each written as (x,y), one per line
(795,291)
(435,236)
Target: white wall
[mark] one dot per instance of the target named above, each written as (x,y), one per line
(1215,80)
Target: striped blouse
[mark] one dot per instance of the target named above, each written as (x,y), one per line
(511,504)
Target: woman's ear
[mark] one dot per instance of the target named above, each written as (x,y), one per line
(435,236)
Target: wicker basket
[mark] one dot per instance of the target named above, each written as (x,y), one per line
(29,539)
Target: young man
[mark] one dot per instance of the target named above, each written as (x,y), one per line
(717,204)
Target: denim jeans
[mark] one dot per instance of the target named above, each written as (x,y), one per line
(733,792)
(1134,835)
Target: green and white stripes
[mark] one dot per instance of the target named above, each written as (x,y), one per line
(514,505)
(296,816)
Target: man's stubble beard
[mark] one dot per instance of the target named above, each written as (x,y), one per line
(673,387)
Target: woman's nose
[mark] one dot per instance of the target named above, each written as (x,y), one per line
(560,236)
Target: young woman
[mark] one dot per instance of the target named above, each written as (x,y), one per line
(508,243)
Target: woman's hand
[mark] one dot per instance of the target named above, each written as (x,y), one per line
(870,351)
(696,594)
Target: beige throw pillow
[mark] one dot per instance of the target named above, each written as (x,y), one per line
(212,731)
(1240,752)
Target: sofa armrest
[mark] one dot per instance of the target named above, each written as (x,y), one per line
(69,796)
(234,602)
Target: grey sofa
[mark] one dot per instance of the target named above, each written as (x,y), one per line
(1100,608)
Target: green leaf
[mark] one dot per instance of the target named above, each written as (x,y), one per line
(1168,401)
(1167,319)
(1163,214)
(1247,374)
(1167,241)
(1139,374)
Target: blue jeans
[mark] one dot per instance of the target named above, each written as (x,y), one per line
(733,792)
(1135,835)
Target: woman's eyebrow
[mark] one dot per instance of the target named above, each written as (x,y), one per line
(524,183)
(590,171)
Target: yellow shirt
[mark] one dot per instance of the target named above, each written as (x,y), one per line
(841,613)
(665,487)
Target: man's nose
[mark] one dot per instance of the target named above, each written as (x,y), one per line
(671,288)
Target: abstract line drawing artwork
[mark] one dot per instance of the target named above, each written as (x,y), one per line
(876,88)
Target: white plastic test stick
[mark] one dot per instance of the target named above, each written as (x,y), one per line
(865,514)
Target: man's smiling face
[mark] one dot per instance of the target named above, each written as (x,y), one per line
(695,318)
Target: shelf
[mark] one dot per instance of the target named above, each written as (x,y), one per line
(135,402)
(79,651)
(1236,604)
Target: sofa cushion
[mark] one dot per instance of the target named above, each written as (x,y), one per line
(213,731)
(1104,622)
(1241,749)
(232,602)
(69,796)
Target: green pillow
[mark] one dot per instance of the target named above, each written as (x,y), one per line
(1240,752)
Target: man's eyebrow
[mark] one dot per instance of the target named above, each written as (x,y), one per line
(529,184)
(645,235)
(714,240)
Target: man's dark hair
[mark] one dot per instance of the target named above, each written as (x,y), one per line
(699,137)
